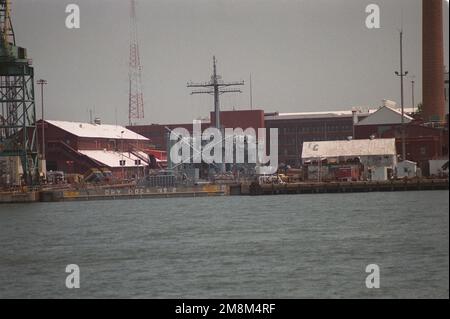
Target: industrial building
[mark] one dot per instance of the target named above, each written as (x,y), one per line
(422,142)
(157,133)
(96,150)
(350,160)
(295,128)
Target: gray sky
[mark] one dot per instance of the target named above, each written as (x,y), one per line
(304,55)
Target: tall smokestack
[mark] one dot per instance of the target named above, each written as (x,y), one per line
(433,60)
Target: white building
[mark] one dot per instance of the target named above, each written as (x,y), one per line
(406,169)
(378,156)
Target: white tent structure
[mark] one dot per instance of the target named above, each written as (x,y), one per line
(376,155)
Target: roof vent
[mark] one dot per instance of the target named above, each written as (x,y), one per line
(97,121)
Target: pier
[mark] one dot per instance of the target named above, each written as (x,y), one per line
(346,187)
(238,189)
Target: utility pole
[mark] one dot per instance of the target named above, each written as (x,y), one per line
(402,75)
(214,86)
(251,93)
(412,93)
(43,82)
(122,163)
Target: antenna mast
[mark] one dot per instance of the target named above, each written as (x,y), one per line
(214,86)
(135,97)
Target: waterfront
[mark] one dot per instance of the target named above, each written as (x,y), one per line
(286,246)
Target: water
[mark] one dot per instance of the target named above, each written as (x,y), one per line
(290,246)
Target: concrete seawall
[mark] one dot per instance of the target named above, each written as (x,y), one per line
(132,192)
(347,187)
(19,197)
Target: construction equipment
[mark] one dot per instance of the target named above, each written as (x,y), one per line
(18,114)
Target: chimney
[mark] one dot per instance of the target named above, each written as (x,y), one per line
(432,60)
(355,116)
(97,121)
(355,121)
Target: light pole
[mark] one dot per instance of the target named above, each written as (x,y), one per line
(402,75)
(43,82)
(412,93)
(123,164)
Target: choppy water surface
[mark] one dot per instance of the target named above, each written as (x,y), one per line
(290,246)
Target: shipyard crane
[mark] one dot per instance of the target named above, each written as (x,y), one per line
(18,138)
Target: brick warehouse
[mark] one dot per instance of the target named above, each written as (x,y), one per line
(80,148)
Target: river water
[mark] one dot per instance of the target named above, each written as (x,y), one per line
(284,246)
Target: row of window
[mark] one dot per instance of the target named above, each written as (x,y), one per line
(314,129)
(287,140)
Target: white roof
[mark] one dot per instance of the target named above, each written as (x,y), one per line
(322,114)
(97,130)
(326,149)
(406,163)
(112,159)
(360,110)
(386,115)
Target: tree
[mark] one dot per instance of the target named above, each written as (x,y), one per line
(419,108)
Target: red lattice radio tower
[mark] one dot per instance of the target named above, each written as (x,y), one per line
(135,98)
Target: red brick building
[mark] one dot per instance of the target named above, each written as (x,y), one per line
(422,143)
(157,133)
(296,128)
(80,148)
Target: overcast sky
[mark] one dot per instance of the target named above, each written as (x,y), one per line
(304,55)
